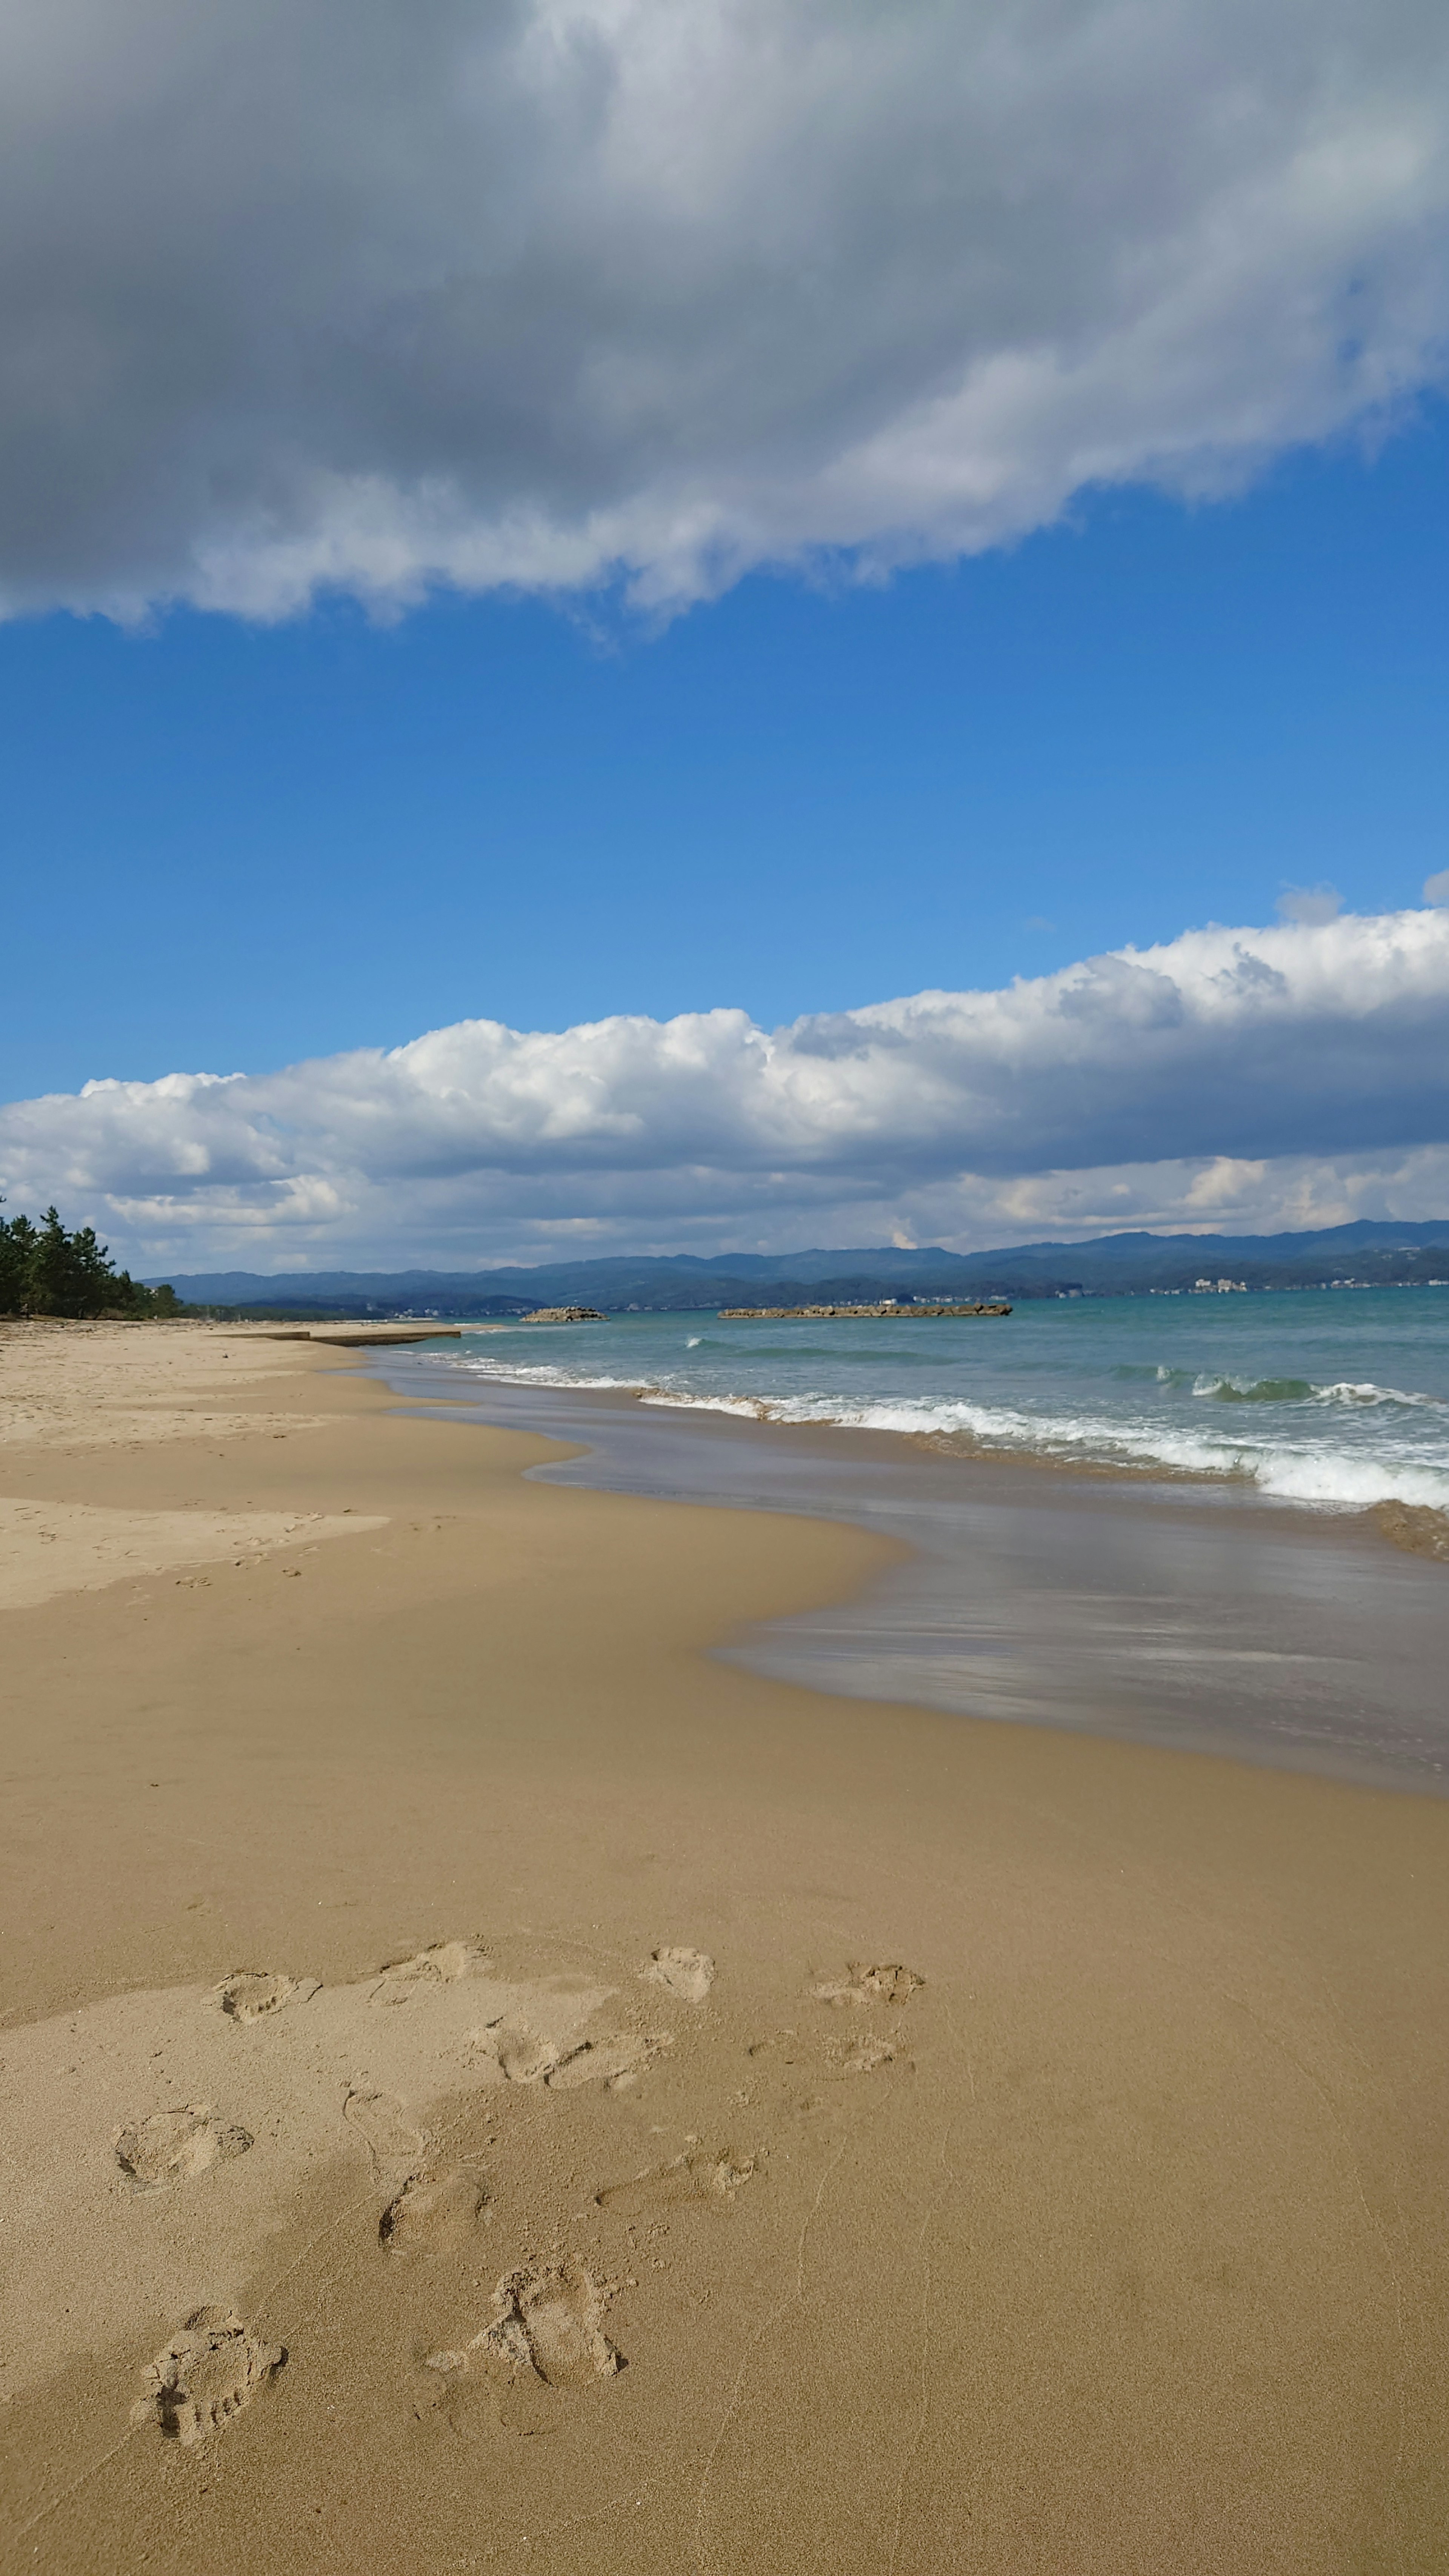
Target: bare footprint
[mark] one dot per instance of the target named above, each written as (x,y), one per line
(440,1966)
(434,2214)
(549,2322)
(252,1993)
(615,2060)
(205,2376)
(687,1974)
(383,2121)
(865,2054)
(863,1984)
(173,2146)
(703,2176)
(518,2054)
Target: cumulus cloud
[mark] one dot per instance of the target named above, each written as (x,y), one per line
(1436,888)
(1224,1070)
(358,294)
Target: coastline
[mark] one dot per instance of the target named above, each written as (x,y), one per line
(1168,1610)
(1340,1414)
(1114,2245)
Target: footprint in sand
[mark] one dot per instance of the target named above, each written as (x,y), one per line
(549,2322)
(616,2060)
(863,2056)
(172,2146)
(686,1974)
(434,2214)
(383,2121)
(440,1966)
(712,2178)
(252,1993)
(871,1985)
(521,2055)
(514,2053)
(205,2376)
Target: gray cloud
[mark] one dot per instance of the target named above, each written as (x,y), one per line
(546,291)
(1224,1070)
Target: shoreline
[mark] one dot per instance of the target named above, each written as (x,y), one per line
(1300,1447)
(1172,1611)
(1116,2244)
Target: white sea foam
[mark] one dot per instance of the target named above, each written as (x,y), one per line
(1329,1476)
(518,1373)
(1290,1473)
(1345,1392)
(755,1407)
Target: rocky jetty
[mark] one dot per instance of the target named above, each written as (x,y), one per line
(844,1314)
(564,1315)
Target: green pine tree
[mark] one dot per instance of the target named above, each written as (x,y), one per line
(45,1270)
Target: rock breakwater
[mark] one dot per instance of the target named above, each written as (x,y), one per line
(845,1314)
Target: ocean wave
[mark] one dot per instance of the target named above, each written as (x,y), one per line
(1346,1391)
(1329,1476)
(1258,1390)
(1303,1390)
(520,1373)
(1332,1476)
(1298,1470)
(754,1408)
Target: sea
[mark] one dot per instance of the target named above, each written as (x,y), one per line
(1213,1523)
(1331,1397)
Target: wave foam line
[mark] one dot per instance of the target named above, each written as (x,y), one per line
(1285,1471)
(1329,1476)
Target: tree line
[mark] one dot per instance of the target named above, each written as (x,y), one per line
(44,1270)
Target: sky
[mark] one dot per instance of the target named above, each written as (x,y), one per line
(560,563)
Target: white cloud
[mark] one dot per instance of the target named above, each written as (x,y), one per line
(1436,888)
(1227,1077)
(1309,904)
(350,293)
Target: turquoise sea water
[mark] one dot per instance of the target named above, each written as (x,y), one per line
(1335,1397)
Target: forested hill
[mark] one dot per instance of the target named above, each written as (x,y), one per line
(1371,1252)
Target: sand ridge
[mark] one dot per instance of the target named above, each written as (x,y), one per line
(51,1548)
(69,1389)
(106,1385)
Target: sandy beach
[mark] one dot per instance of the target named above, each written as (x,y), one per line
(485,2085)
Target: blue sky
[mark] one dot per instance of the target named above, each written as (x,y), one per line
(230,845)
(562,559)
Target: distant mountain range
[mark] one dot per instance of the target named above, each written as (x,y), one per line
(1371,1252)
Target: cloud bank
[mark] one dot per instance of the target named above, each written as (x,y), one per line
(1297,1074)
(366,295)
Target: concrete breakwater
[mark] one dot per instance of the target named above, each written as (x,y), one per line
(366,1337)
(844,1314)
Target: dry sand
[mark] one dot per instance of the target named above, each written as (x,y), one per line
(484,2086)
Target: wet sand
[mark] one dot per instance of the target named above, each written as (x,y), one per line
(1186,1612)
(1025,2150)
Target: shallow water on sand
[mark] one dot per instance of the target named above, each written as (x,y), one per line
(1192,1614)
